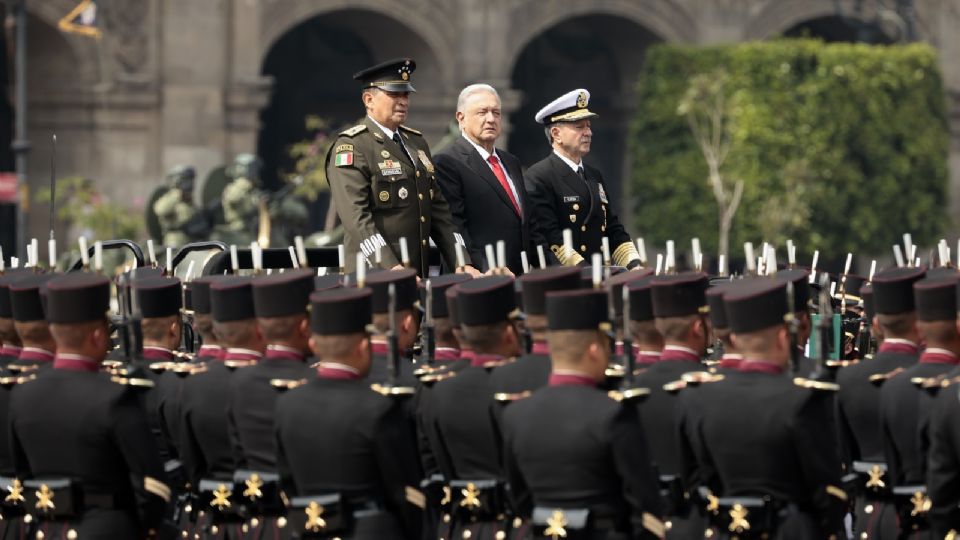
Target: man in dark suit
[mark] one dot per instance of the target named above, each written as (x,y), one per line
(484,185)
(566,194)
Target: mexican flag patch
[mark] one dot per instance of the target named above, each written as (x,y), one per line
(344,159)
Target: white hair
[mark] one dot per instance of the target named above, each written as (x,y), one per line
(474,89)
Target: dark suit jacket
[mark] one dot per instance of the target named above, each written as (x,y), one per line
(482,209)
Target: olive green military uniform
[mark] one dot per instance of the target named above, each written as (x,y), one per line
(174,214)
(382,195)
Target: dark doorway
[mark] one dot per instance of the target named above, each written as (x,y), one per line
(844,29)
(312,66)
(601,53)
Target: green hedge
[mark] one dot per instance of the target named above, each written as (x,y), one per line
(841,147)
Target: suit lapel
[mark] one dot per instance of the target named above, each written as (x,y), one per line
(475,162)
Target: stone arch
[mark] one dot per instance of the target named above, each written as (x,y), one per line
(416,16)
(597,50)
(776,17)
(532,18)
(84,64)
(311,65)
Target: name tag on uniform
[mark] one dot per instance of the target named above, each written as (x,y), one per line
(389,168)
(574,198)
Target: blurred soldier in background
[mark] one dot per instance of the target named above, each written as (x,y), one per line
(251,213)
(180,221)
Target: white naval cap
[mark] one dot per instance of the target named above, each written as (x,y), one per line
(569,107)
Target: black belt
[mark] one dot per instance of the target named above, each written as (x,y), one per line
(258,493)
(220,500)
(748,517)
(871,480)
(913,507)
(573,523)
(329,515)
(11,497)
(478,500)
(64,498)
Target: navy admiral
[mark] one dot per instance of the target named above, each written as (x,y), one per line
(568,194)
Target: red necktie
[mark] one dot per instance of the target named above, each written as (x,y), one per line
(498,172)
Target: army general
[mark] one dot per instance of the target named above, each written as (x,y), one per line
(381,176)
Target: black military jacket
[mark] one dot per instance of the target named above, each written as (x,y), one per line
(904,415)
(572,447)
(762,434)
(525,374)
(250,409)
(341,436)
(205,445)
(564,200)
(658,410)
(858,404)
(83,426)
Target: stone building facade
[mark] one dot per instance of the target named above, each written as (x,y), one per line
(197,81)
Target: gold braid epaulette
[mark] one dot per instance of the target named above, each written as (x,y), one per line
(386,390)
(287,384)
(510,397)
(628,395)
(133,381)
(816,385)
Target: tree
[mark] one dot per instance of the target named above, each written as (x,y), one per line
(708,112)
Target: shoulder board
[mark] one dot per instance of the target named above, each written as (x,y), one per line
(185,368)
(675,386)
(235,364)
(628,395)
(385,390)
(840,363)
(498,363)
(437,377)
(14,380)
(409,130)
(190,370)
(615,370)
(506,397)
(287,384)
(158,367)
(21,367)
(879,378)
(816,385)
(351,132)
(134,381)
(700,377)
